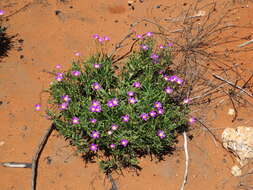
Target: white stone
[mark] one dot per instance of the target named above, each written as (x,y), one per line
(236,171)
(2,143)
(240,142)
(231,111)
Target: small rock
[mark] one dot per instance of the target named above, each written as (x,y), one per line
(1,102)
(236,171)
(2,143)
(158,6)
(141,1)
(240,142)
(231,111)
(57,12)
(21,57)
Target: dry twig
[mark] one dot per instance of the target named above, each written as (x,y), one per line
(186,161)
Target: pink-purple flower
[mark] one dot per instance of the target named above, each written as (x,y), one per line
(168,90)
(75,73)
(93,120)
(130,93)
(161,134)
(132,100)
(109,132)
(139,36)
(114,127)
(95,134)
(160,111)
(112,146)
(154,56)
(75,120)
(66,98)
(161,46)
(158,105)
(96,86)
(124,142)
(144,116)
(192,120)
(149,34)
(37,107)
(106,38)
(93,147)
(152,113)
(59,77)
(125,118)
(95,108)
(170,44)
(113,103)
(58,66)
(1,12)
(95,36)
(137,84)
(64,106)
(144,47)
(96,65)
(77,54)
(186,100)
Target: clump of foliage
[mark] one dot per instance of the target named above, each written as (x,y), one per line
(119,114)
(6,41)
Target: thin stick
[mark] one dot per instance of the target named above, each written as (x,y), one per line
(114,185)
(19,10)
(186,161)
(37,155)
(233,84)
(246,43)
(17,165)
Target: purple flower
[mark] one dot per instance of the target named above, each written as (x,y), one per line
(149,34)
(75,73)
(95,36)
(112,103)
(37,107)
(95,103)
(160,111)
(168,90)
(75,120)
(144,47)
(157,105)
(109,132)
(64,106)
(137,84)
(132,100)
(58,66)
(154,56)
(101,40)
(124,142)
(66,98)
(59,77)
(152,113)
(179,80)
(166,78)
(96,86)
(173,78)
(144,116)
(95,108)
(139,36)
(95,134)
(192,120)
(93,120)
(112,146)
(114,127)
(93,147)
(161,46)
(170,44)
(106,38)
(96,65)
(161,134)
(125,118)
(130,93)
(1,12)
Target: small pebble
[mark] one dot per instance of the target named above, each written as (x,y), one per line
(57,12)
(231,111)
(2,143)
(236,171)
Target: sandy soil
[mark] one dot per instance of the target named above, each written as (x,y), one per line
(51,39)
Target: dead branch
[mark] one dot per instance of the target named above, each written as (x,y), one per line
(38,153)
(186,161)
(17,165)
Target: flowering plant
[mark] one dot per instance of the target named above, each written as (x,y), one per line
(117,114)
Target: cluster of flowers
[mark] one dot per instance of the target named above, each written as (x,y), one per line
(100,39)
